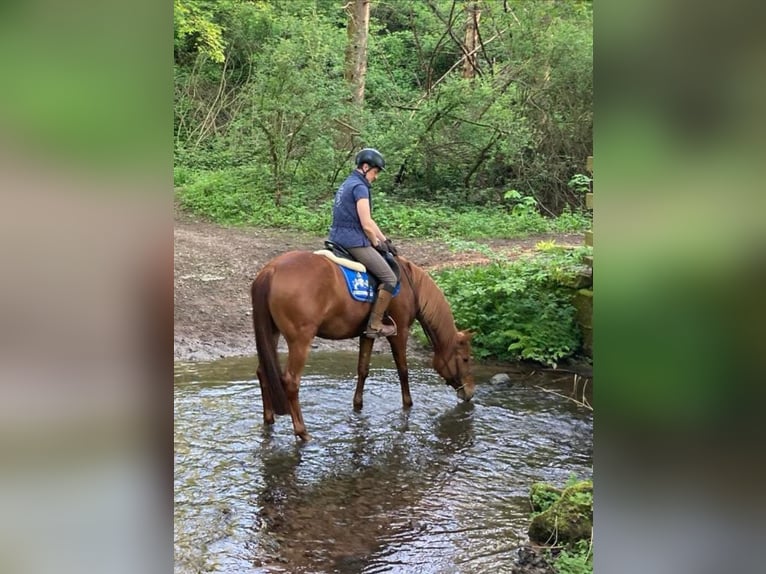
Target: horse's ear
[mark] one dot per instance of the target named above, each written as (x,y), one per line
(465,335)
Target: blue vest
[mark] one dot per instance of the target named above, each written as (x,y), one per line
(346,229)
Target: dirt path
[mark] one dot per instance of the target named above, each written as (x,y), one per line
(215,265)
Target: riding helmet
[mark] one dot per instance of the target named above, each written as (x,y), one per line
(371,157)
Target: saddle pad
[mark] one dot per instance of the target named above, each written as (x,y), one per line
(359,285)
(355,265)
(363,286)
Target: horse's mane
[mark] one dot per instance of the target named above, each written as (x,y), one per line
(433,312)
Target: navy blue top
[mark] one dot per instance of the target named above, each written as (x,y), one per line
(346,229)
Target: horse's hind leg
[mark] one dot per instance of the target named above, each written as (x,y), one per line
(362,369)
(298,352)
(268,410)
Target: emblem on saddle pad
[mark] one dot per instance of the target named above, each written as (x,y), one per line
(363,286)
(360,285)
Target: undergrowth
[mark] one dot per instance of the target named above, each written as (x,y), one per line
(235,197)
(518,309)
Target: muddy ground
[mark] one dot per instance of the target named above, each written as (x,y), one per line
(215,265)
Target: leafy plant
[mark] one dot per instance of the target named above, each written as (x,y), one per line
(520,309)
(580,183)
(578,560)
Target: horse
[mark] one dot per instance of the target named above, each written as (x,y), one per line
(301,294)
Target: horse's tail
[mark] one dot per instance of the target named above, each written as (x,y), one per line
(266,343)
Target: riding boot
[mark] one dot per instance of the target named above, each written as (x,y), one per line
(376,328)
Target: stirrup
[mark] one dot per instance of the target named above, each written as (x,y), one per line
(378,333)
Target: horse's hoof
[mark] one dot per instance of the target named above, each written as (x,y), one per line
(357,407)
(304,436)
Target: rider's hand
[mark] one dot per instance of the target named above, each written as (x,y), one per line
(390,248)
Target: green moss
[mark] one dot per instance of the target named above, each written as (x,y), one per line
(543,495)
(566,520)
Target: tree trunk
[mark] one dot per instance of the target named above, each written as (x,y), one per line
(471,39)
(356,50)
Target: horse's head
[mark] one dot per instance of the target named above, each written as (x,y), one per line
(454,365)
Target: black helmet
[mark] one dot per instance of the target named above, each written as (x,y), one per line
(371,157)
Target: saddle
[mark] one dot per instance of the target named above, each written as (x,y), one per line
(342,257)
(361,285)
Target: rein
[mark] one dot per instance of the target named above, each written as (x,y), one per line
(427,329)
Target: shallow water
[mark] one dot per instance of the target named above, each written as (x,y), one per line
(442,488)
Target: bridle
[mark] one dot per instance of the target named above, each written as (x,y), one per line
(454,380)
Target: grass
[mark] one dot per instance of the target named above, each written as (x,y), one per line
(233,197)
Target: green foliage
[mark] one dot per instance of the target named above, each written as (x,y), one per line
(580,183)
(192,21)
(262,84)
(245,195)
(571,221)
(577,560)
(224,196)
(575,557)
(519,309)
(233,197)
(182,176)
(542,496)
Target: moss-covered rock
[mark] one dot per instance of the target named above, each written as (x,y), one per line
(565,520)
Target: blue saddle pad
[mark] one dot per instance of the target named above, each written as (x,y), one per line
(362,285)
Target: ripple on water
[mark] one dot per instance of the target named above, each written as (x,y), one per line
(443,486)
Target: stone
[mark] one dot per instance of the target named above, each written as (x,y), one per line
(500,379)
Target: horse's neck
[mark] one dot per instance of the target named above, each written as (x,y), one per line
(434,313)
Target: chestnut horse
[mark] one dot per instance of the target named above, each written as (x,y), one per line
(300,295)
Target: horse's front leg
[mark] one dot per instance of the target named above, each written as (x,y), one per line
(362,369)
(399,351)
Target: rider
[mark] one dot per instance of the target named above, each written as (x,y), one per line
(353,228)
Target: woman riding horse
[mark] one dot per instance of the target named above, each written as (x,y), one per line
(354,229)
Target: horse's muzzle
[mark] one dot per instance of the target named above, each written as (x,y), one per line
(464,395)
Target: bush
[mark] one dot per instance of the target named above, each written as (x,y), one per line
(223,196)
(518,310)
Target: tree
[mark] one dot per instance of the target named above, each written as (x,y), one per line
(356,51)
(191,21)
(473,13)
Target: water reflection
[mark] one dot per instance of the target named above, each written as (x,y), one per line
(454,428)
(340,516)
(442,485)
